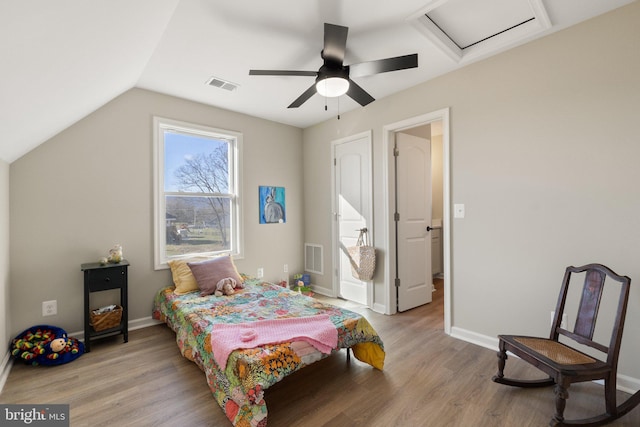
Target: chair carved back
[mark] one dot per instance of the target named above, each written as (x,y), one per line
(589,306)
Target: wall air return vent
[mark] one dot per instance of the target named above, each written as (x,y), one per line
(313,258)
(472,29)
(222,84)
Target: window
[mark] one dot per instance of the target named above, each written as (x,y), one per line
(197,199)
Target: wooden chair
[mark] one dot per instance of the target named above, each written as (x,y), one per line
(565,365)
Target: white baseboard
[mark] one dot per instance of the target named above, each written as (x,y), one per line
(475,338)
(5,368)
(143,322)
(625,383)
(322,291)
(379,308)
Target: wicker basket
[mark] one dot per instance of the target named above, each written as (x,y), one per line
(109,319)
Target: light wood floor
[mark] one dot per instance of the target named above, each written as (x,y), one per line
(430,379)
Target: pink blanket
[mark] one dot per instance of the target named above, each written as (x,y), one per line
(318,331)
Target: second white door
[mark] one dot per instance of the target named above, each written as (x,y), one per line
(413,168)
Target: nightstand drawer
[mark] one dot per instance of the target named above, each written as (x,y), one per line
(107,278)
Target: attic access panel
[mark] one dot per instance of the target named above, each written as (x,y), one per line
(467,29)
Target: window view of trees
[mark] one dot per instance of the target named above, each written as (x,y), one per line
(198,193)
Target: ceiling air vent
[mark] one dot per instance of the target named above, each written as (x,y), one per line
(222,84)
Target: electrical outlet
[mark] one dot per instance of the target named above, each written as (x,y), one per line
(260,273)
(286,268)
(49,308)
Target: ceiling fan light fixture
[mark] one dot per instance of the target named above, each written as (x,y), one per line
(333,79)
(332,87)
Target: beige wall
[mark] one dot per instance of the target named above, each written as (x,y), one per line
(90,187)
(544,155)
(5,313)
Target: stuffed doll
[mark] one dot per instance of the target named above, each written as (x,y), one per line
(45,345)
(61,350)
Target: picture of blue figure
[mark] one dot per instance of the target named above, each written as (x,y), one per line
(272,205)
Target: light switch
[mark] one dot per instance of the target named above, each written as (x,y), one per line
(458,210)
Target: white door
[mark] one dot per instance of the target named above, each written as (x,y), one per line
(352,203)
(413,168)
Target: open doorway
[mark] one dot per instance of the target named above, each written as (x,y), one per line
(438,120)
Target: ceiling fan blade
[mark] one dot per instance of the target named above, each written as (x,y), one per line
(358,94)
(335,43)
(304,97)
(383,65)
(282,73)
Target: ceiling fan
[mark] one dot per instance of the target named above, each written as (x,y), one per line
(333,78)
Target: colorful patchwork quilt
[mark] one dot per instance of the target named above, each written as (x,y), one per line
(239,386)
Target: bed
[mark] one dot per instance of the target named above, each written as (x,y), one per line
(238,384)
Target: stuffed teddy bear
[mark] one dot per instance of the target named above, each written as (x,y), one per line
(226,286)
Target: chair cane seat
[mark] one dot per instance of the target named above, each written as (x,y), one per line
(556,351)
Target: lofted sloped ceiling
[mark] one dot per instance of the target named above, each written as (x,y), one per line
(62,60)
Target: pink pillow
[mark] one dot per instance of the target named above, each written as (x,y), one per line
(209,273)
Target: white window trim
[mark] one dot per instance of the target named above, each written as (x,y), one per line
(159,125)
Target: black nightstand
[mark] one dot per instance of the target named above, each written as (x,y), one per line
(98,277)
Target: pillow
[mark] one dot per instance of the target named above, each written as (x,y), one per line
(209,273)
(182,276)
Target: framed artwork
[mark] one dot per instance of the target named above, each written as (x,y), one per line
(272,206)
